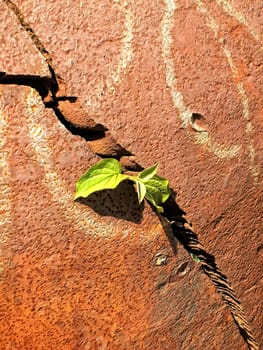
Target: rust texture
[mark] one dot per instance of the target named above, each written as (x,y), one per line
(178,83)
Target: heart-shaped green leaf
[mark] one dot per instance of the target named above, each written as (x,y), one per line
(105,174)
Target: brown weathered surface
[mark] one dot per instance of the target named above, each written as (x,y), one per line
(74,279)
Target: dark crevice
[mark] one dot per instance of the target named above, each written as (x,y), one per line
(189,239)
(46,87)
(88,134)
(43,85)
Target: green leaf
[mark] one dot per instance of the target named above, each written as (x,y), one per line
(141,191)
(157,191)
(148,173)
(152,197)
(105,174)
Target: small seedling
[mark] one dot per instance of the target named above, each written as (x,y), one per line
(107,174)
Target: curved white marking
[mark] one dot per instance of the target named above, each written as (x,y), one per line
(126,51)
(211,23)
(184,112)
(5,189)
(125,58)
(229,9)
(167,26)
(202,138)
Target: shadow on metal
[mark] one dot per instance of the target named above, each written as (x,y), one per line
(121,203)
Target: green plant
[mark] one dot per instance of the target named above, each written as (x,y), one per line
(107,174)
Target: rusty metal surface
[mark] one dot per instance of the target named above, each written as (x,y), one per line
(77,276)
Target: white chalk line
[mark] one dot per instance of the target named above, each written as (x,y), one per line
(184,112)
(230,10)
(126,50)
(249,130)
(125,58)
